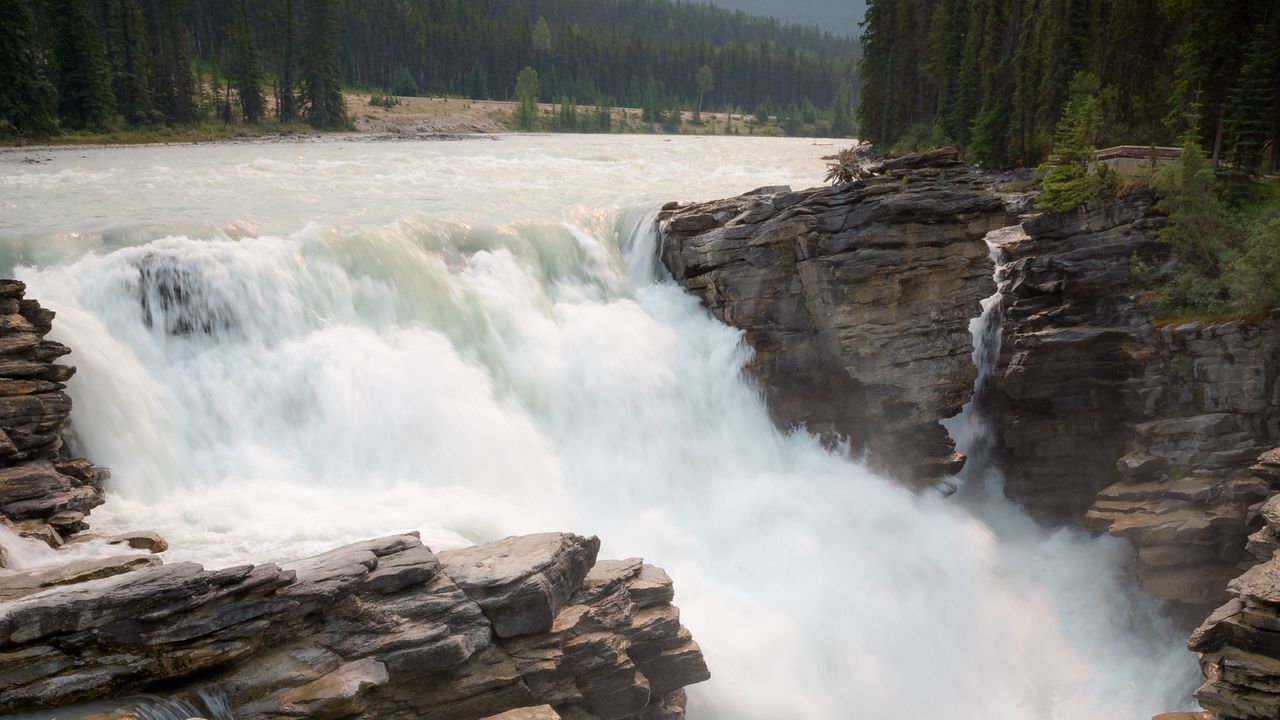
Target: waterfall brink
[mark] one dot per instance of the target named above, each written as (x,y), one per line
(481,371)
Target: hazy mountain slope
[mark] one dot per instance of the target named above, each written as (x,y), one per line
(834,16)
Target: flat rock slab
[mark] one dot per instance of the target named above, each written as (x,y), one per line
(522,582)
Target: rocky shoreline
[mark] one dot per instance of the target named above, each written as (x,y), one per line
(525,627)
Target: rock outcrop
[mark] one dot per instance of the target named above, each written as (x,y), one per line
(380,629)
(856,299)
(1210,404)
(43,493)
(1073,324)
(1239,644)
(1144,430)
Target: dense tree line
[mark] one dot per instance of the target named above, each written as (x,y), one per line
(101,64)
(584,49)
(994,76)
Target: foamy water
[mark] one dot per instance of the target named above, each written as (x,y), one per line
(474,340)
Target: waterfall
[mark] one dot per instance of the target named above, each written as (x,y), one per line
(20,553)
(336,371)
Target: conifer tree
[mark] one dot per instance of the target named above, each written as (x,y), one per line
(527,95)
(478,82)
(83,75)
(173,84)
(1251,104)
(405,85)
(1072,176)
(322,69)
(26,98)
(243,72)
(287,99)
(130,61)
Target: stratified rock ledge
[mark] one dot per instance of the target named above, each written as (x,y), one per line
(1239,644)
(856,299)
(379,629)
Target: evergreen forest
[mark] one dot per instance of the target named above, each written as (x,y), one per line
(995,76)
(93,65)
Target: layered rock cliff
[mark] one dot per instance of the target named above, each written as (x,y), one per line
(42,492)
(1239,644)
(528,627)
(1142,429)
(855,299)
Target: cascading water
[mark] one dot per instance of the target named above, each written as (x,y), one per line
(19,553)
(322,364)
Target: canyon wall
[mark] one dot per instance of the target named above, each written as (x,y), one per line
(855,299)
(1239,644)
(528,627)
(1144,429)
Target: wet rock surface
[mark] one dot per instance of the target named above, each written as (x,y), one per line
(855,299)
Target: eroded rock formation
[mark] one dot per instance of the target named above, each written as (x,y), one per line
(1144,430)
(380,629)
(856,299)
(43,493)
(1239,645)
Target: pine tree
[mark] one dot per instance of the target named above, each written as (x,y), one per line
(478,82)
(243,72)
(841,120)
(322,69)
(84,77)
(26,98)
(173,84)
(405,85)
(527,95)
(1248,119)
(1072,176)
(126,31)
(287,99)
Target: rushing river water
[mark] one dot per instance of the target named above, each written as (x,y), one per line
(473,339)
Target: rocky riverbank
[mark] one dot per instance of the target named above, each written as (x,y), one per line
(528,627)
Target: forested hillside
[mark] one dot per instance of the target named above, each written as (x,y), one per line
(994,75)
(838,17)
(98,64)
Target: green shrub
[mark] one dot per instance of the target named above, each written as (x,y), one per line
(1072,176)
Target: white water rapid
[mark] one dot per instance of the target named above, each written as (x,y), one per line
(474,340)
